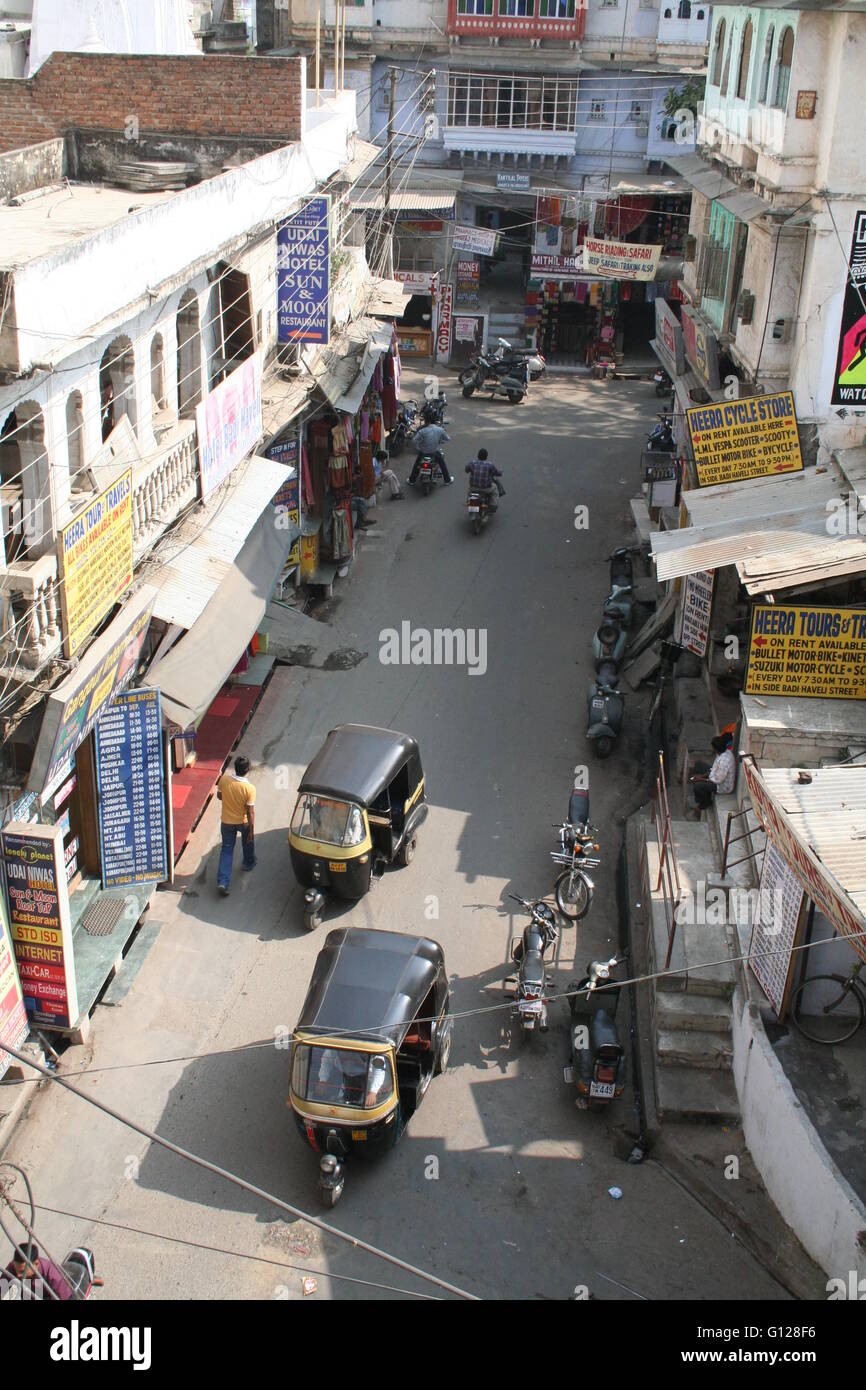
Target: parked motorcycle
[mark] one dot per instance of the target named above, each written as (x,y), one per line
(621,566)
(661,437)
(597,1056)
(506,353)
(604,710)
(478,510)
(574,888)
(662,382)
(79,1269)
(433,410)
(407,419)
(509,382)
(609,643)
(528,985)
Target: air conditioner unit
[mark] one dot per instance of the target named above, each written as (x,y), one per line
(690,246)
(746,306)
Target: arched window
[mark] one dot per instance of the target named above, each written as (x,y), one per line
(745,59)
(25,470)
(117,385)
(188,357)
(157,371)
(723,89)
(783,69)
(75,436)
(719,54)
(765,65)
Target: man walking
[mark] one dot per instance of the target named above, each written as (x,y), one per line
(238,797)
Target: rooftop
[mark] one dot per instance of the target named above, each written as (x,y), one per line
(53,219)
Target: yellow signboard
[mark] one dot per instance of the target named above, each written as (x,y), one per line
(96,561)
(751,438)
(815,652)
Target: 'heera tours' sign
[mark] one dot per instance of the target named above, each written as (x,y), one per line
(818,653)
(303,275)
(751,438)
(96,561)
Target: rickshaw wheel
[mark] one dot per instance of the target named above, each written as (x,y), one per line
(407,852)
(330,1197)
(443,1055)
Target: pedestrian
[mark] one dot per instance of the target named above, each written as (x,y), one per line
(238,797)
(359,514)
(25,1260)
(387,475)
(718,779)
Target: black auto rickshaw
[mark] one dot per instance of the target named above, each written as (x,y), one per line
(360,804)
(373,1032)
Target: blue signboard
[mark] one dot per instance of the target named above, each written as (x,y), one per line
(303,275)
(517,183)
(130,772)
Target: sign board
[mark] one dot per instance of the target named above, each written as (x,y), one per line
(620,260)
(130,773)
(811,652)
(417,281)
(477,240)
(464,329)
(443,335)
(815,879)
(702,349)
(669,332)
(697,606)
(229,423)
(38,901)
(752,438)
(303,275)
(96,561)
(14,1026)
(468,279)
(556,267)
(74,706)
(287,502)
(415,226)
(849,384)
(514,183)
(774,931)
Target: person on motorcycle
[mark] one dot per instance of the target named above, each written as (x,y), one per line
(426,443)
(24,1261)
(484,477)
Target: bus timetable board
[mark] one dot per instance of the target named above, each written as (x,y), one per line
(131,792)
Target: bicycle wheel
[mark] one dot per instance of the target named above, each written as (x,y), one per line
(829,1025)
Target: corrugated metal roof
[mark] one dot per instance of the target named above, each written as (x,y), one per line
(388,299)
(828,814)
(193,560)
(745,206)
(405,200)
(343,368)
(702,176)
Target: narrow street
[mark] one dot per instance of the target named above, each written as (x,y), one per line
(520,1207)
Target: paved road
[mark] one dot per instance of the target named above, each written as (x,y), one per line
(520,1207)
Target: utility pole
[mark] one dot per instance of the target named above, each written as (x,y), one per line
(388,227)
(318,44)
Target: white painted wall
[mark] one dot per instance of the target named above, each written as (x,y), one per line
(607,21)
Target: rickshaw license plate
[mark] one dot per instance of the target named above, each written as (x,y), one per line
(359,1134)
(337,868)
(601,1088)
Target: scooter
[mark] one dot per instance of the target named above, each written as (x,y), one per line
(511,384)
(621,566)
(619,605)
(663,384)
(79,1269)
(661,437)
(609,643)
(433,410)
(506,353)
(574,888)
(528,985)
(597,1056)
(479,510)
(604,711)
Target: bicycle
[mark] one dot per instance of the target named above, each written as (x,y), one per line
(827,1026)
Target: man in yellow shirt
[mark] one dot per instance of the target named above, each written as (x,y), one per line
(238,797)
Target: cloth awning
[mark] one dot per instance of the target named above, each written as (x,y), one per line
(194,671)
(403,200)
(773,530)
(388,299)
(702,176)
(191,563)
(344,368)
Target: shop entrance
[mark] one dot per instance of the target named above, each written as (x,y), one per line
(467,338)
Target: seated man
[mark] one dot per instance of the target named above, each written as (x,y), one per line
(484,477)
(427,442)
(718,779)
(387,475)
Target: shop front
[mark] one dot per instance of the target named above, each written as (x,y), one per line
(415,329)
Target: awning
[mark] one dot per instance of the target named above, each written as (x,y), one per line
(403,200)
(363,155)
(649,183)
(745,206)
(191,563)
(192,674)
(344,368)
(742,523)
(702,176)
(388,299)
(283,399)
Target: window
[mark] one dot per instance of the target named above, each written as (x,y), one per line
(157,371)
(341,1076)
(636,113)
(557,9)
(765,66)
(684,9)
(475,6)
(609,4)
(512,103)
(332,822)
(596,109)
(719,51)
(726,72)
(745,59)
(783,69)
(75,436)
(519,9)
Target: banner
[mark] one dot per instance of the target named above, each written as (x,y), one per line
(417,281)
(620,260)
(303,275)
(443,336)
(13,1015)
(697,606)
(774,933)
(810,652)
(38,902)
(556,267)
(96,561)
(849,385)
(131,774)
(478,240)
(751,438)
(669,334)
(229,423)
(702,349)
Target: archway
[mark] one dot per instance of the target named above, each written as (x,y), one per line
(117,384)
(188,356)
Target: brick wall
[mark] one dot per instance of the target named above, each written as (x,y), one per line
(214,95)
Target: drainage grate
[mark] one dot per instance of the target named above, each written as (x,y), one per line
(104,916)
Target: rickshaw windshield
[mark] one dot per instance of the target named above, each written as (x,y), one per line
(341,1076)
(333,822)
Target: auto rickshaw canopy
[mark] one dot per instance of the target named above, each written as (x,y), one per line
(369,984)
(357,762)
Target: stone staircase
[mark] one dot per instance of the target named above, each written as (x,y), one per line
(691,1007)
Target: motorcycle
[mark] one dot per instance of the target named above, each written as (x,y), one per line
(574,888)
(528,985)
(511,382)
(534,360)
(662,382)
(661,437)
(609,642)
(604,710)
(433,410)
(79,1269)
(429,474)
(619,604)
(407,416)
(479,510)
(597,1056)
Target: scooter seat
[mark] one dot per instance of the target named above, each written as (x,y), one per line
(533,969)
(603,1030)
(578,808)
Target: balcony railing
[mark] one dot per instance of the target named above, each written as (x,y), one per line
(30,615)
(520,115)
(163,486)
(520,19)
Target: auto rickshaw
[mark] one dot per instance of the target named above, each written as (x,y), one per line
(373,1032)
(360,804)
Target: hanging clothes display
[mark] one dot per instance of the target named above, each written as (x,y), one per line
(368,477)
(338,472)
(341,533)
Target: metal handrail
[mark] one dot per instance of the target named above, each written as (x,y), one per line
(735,839)
(669,875)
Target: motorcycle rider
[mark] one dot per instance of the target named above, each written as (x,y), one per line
(484,477)
(22,1265)
(426,442)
